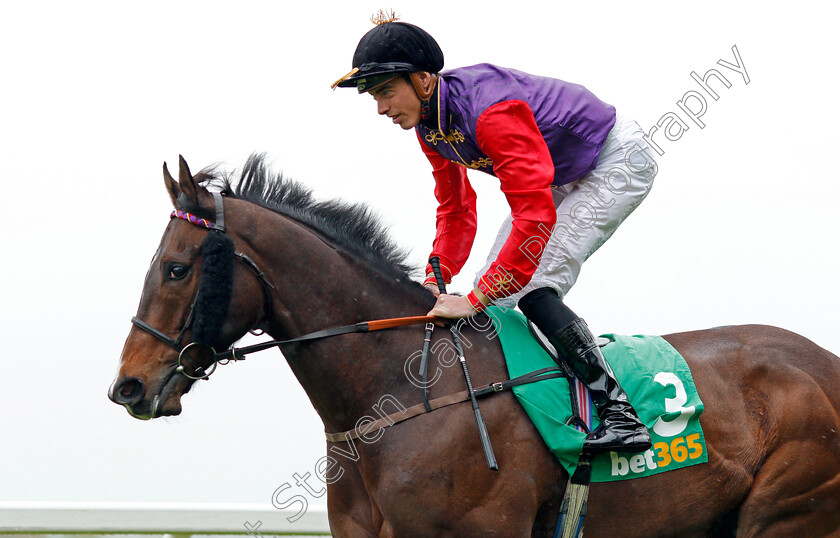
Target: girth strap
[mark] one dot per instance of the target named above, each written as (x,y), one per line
(444,401)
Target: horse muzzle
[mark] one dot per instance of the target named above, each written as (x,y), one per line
(131,393)
(127,391)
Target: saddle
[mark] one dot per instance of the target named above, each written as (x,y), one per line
(655,376)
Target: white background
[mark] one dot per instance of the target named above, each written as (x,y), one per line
(739,228)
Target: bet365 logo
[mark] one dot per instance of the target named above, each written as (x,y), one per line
(669,444)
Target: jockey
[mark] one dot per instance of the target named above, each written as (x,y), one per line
(571,168)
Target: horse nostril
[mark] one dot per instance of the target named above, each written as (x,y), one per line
(128,391)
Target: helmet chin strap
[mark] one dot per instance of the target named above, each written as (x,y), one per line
(425,94)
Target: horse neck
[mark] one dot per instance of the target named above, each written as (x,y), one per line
(319,285)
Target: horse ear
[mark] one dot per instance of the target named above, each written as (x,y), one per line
(188,185)
(172,186)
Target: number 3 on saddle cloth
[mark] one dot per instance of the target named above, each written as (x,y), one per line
(658,384)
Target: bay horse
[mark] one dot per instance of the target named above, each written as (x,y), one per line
(771,396)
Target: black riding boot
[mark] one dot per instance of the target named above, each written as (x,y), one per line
(620,429)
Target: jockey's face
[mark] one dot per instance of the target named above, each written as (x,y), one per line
(398,100)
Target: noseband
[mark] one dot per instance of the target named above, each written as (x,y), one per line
(218,226)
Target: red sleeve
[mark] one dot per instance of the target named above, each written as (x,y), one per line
(507,133)
(456,213)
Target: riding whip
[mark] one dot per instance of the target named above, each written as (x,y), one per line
(459,348)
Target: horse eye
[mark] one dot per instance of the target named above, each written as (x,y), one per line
(177,272)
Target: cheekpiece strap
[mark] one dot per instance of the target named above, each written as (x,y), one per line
(220,212)
(204,223)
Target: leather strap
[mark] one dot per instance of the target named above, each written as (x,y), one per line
(362,327)
(444,401)
(219,224)
(394,418)
(424,364)
(537,375)
(174,343)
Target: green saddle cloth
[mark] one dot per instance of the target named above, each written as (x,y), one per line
(658,383)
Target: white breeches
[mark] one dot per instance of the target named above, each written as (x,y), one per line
(588,211)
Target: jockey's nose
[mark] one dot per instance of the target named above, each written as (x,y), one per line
(381,107)
(127,391)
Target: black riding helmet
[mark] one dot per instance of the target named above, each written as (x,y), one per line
(389,49)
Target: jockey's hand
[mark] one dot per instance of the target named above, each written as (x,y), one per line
(452,307)
(433,288)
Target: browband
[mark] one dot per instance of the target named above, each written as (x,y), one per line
(219,224)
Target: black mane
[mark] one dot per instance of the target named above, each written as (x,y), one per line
(351,226)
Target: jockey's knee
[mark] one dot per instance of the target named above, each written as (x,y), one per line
(546,310)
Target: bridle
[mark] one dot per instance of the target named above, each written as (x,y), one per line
(236,354)
(217,226)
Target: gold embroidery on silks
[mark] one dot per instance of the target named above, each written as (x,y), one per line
(502,283)
(496,284)
(481,163)
(455,136)
(434,137)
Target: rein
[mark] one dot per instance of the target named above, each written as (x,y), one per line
(237,354)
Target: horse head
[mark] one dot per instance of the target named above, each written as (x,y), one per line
(213,279)
(187,308)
